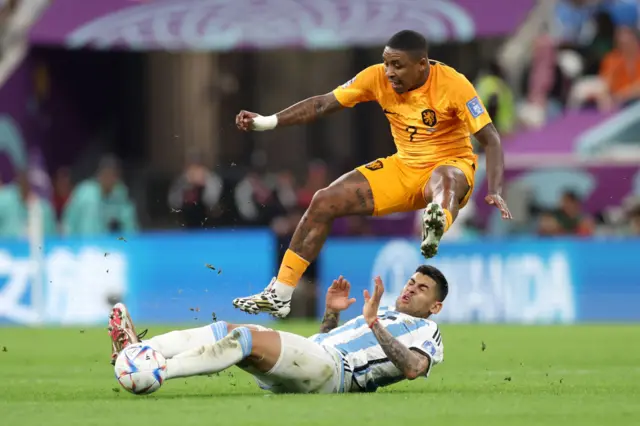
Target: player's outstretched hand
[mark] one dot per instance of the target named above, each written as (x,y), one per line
(372,303)
(338,295)
(497,201)
(244,120)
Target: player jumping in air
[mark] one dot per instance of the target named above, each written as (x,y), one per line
(380,347)
(432,110)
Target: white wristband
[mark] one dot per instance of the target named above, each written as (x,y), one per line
(261,123)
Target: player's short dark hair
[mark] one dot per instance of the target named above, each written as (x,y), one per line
(437,276)
(409,41)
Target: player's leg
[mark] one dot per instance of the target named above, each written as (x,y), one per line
(179,341)
(303,366)
(281,362)
(351,194)
(123,334)
(240,344)
(446,192)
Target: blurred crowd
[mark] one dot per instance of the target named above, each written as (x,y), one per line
(570,218)
(585,55)
(199,198)
(94,206)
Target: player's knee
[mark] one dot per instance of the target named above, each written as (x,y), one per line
(447,177)
(324,203)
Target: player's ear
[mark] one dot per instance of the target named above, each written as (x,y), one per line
(436,308)
(423,64)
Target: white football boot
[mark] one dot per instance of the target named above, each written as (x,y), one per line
(433,224)
(268,301)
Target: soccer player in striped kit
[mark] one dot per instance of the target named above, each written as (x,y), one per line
(378,348)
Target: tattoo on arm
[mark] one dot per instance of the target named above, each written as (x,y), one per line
(329,321)
(309,110)
(411,363)
(490,139)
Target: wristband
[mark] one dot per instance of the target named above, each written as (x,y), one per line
(373,322)
(261,123)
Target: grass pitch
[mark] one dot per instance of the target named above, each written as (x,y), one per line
(492,375)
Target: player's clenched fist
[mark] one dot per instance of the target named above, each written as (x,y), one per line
(246,121)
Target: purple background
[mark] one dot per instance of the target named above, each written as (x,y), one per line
(558,136)
(235,22)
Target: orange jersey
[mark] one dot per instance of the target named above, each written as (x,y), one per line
(429,124)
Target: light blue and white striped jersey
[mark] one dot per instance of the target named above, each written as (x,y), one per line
(370,366)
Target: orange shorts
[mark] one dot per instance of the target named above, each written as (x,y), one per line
(397,187)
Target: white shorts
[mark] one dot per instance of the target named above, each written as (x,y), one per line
(303,367)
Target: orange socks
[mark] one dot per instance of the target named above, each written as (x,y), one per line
(292,268)
(449,217)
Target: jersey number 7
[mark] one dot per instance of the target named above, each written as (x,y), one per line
(412,132)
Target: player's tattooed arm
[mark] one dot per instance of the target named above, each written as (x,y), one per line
(309,110)
(411,363)
(329,321)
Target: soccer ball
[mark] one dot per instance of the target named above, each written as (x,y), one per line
(140,369)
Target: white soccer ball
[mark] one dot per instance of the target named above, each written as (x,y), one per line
(140,369)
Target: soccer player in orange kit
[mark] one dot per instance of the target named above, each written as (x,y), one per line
(432,111)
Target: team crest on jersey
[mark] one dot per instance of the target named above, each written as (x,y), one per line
(429,117)
(348,83)
(374,165)
(429,347)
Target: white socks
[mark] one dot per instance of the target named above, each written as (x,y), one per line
(283,290)
(176,342)
(212,358)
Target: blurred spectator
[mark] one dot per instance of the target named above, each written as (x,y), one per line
(634,222)
(196,193)
(581,33)
(317,178)
(21,207)
(548,225)
(497,97)
(100,205)
(256,201)
(62,188)
(571,218)
(602,43)
(618,83)
(285,189)
(621,68)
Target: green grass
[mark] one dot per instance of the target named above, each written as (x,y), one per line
(577,375)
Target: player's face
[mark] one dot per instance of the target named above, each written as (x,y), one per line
(419,298)
(403,71)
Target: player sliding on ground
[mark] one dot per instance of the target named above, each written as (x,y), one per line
(380,347)
(432,110)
